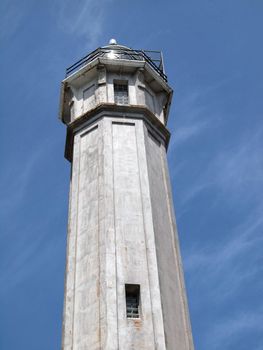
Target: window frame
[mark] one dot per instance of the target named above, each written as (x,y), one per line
(133,301)
(120,86)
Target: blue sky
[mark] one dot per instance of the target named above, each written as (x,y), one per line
(213,53)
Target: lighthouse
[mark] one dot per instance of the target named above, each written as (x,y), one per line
(124,284)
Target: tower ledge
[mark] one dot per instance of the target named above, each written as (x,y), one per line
(124,112)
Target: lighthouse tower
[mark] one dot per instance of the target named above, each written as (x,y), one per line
(124,287)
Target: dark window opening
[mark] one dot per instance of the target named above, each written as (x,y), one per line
(132,292)
(121,93)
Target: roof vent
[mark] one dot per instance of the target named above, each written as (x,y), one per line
(112,42)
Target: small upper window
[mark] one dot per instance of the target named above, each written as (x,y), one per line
(132,292)
(121,93)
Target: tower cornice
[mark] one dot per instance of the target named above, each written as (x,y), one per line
(119,67)
(123,112)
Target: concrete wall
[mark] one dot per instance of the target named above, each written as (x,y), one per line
(82,313)
(111,242)
(91,92)
(121,231)
(131,253)
(174,304)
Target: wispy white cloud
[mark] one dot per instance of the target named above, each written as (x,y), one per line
(192,121)
(230,174)
(223,271)
(230,329)
(18,177)
(30,253)
(216,259)
(232,177)
(195,113)
(189,130)
(222,268)
(233,171)
(31,235)
(82,18)
(12,14)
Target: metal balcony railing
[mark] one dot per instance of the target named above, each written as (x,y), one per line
(153,58)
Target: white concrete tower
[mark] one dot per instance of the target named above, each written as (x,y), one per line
(124,284)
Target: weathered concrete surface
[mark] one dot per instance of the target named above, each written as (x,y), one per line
(81,93)
(121,226)
(174,304)
(121,231)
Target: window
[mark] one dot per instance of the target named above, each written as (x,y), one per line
(121,93)
(132,292)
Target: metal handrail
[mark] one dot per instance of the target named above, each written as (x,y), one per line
(129,53)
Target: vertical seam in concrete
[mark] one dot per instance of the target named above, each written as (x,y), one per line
(143,219)
(98,225)
(115,241)
(104,340)
(176,251)
(145,130)
(66,270)
(76,242)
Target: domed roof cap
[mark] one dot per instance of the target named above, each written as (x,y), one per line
(116,51)
(112,45)
(112,42)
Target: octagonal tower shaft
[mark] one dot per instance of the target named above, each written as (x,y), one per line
(124,284)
